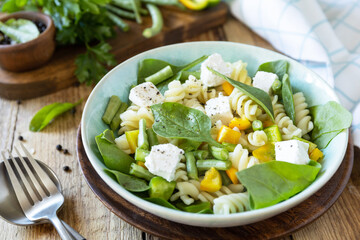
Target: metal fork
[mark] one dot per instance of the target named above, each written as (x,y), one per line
(39,198)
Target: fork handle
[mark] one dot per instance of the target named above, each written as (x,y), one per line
(72,231)
(60,228)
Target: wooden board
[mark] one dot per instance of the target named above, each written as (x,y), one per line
(275,227)
(59,72)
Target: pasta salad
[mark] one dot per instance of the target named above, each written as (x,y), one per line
(215,140)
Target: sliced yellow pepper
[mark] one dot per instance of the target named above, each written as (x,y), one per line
(265,153)
(132,139)
(232,175)
(228,88)
(228,135)
(212,181)
(195,4)
(241,123)
(316,154)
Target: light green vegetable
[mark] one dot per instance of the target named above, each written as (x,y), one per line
(114,158)
(273,133)
(219,153)
(19,30)
(312,145)
(229,146)
(257,95)
(279,67)
(287,97)
(160,76)
(276,87)
(204,165)
(157,21)
(191,168)
(160,188)
(257,125)
(48,113)
(198,207)
(161,202)
(189,145)
(115,122)
(174,120)
(275,181)
(153,140)
(130,183)
(111,109)
(143,142)
(225,178)
(140,154)
(201,154)
(329,120)
(140,172)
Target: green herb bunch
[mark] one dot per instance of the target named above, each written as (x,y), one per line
(83,22)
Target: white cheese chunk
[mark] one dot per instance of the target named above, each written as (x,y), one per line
(146,94)
(264,80)
(215,62)
(163,160)
(219,109)
(292,151)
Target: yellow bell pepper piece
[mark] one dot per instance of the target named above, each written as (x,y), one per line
(132,139)
(228,88)
(316,154)
(228,135)
(241,123)
(195,4)
(265,153)
(212,181)
(232,175)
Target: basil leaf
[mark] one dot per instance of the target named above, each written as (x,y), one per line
(279,67)
(130,183)
(288,98)
(161,202)
(114,158)
(329,118)
(47,114)
(275,181)
(174,120)
(257,95)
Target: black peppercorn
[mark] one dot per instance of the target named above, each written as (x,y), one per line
(18,101)
(66,151)
(58,147)
(66,168)
(21,138)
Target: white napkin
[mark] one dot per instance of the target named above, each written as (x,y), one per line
(322,34)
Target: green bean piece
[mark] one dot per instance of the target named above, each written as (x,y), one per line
(111,109)
(115,123)
(225,178)
(140,172)
(163,2)
(191,166)
(152,137)
(128,6)
(229,146)
(257,125)
(219,153)
(120,12)
(157,21)
(141,154)
(136,8)
(276,87)
(160,76)
(143,142)
(118,21)
(204,165)
(201,154)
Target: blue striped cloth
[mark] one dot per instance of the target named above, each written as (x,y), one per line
(322,34)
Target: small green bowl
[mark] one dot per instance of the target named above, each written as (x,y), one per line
(119,80)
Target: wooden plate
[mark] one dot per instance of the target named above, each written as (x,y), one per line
(275,227)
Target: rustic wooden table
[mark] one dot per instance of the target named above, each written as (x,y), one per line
(87,214)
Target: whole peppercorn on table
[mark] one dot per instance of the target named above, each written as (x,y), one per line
(85,213)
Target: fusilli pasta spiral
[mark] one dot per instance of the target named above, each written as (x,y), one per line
(257,138)
(192,87)
(240,158)
(181,173)
(122,143)
(240,73)
(131,117)
(302,117)
(243,105)
(206,94)
(232,203)
(175,93)
(287,128)
(194,103)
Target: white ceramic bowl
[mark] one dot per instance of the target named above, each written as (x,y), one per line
(119,80)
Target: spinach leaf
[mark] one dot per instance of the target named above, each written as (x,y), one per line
(47,114)
(275,181)
(198,207)
(288,98)
(174,120)
(19,30)
(279,67)
(130,183)
(114,158)
(161,202)
(257,95)
(150,66)
(329,120)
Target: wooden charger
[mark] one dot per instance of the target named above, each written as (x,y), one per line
(278,226)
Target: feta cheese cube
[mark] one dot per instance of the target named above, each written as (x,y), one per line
(146,94)
(264,80)
(219,109)
(292,151)
(215,62)
(163,160)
